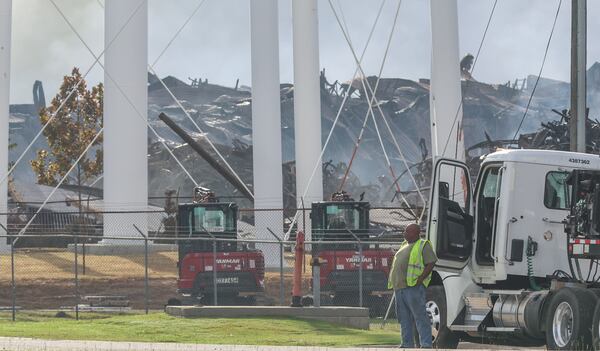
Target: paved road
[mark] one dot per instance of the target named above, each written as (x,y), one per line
(68,345)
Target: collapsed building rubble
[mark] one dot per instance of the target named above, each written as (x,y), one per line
(226,119)
(492,114)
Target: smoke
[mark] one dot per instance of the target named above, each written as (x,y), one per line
(216,43)
(45,48)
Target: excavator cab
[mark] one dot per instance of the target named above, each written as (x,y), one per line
(341,219)
(206,218)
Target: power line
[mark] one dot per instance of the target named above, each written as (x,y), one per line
(487,26)
(370,90)
(541,69)
(365,84)
(139,114)
(338,114)
(185,23)
(97,61)
(59,184)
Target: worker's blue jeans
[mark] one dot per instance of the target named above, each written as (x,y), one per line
(410,310)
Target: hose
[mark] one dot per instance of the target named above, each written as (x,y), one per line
(532,283)
(531,250)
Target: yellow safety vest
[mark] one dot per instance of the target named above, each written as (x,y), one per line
(416,264)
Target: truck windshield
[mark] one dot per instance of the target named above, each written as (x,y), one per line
(211,220)
(342,217)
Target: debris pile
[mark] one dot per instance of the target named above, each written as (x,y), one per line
(492,114)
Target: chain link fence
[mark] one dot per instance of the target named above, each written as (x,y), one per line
(68,263)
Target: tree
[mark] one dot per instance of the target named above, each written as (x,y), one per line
(73,128)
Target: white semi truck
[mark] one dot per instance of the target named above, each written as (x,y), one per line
(517,251)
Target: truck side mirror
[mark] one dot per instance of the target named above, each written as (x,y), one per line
(444,190)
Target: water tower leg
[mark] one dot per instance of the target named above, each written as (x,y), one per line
(266,126)
(125,133)
(5,36)
(307,106)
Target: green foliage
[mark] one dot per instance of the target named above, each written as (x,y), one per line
(10,147)
(73,128)
(159,327)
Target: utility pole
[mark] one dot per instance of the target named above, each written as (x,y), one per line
(578,75)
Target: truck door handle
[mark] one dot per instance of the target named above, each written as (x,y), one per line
(495,219)
(548,220)
(510,221)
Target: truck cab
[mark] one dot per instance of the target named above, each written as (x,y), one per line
(500,239)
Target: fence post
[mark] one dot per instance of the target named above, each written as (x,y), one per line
(360,275)
(146,277)
(214,241)
(281,283)
(76,280)
(146,295)
(13,296)
(215,291)
(12,278)
(83,256)
(316,271)
(360,269)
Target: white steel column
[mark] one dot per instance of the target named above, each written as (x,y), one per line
(125,133)
(307,104)
(266,125)
(5,35)
(445,94)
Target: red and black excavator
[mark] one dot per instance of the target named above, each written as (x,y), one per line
(240,269)
(345,220)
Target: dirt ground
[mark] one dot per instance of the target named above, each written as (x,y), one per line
(46,279)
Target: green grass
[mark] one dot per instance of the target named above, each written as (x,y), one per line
(159,327)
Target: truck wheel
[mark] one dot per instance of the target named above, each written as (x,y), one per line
(443,338)
(596,328)
(570,315)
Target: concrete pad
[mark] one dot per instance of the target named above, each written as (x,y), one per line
(354,317)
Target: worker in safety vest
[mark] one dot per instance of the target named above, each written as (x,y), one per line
(409,276)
